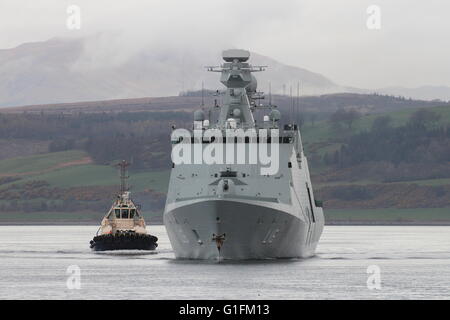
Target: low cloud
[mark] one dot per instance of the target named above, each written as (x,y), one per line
(325,36)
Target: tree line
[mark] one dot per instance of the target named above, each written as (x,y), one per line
(133,136)
(421,140)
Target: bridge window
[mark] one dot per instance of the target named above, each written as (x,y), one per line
(228,174)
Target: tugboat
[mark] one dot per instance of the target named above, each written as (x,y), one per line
(123,227)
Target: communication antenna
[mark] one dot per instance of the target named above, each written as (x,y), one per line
(292,104)
(298,103)
(270,93)
(203,94)
(123,176)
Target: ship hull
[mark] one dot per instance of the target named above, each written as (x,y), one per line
(123,242)
(250,230)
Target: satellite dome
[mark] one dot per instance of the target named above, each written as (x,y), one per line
(275,115)
(235,54)
(199,115)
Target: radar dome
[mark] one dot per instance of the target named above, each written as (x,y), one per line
(275,115)
(199,115)
(235,54)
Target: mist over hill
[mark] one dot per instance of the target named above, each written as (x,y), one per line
(100,67)
(422,93)
(85,69)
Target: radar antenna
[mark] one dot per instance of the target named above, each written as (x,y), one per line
(270,93)
(297,117)
(292,105)
(203,95)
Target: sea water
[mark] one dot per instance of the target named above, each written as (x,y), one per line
(351,262)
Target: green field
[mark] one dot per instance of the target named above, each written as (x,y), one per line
(98,175)
(431,182)
(39,162)
(428,182)
(84,217)
(78,175)
(322,131)
(51,217)
(389,215)
(372,216)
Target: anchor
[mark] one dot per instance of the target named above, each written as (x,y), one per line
(219,239)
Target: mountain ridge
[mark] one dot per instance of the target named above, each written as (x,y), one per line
(67,70)
(426,92)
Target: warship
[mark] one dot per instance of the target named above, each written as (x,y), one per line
(123,227)
(238,209)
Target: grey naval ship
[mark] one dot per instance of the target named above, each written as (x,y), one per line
(232,210)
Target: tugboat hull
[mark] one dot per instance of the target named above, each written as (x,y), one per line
(124,242)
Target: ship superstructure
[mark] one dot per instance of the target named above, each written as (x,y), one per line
(240,208)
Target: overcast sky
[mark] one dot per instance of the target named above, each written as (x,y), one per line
(411,48)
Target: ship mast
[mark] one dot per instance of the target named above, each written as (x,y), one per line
(123,176)
(236,75)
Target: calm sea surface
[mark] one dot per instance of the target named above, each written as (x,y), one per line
(414,263)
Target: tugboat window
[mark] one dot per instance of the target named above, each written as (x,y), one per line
(132,213)
(124,213)
(117,212)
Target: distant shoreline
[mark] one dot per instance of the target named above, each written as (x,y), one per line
(327,223)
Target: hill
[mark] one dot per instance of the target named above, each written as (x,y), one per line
(322,105)
(67,186)
(70,70)
(421,93)
(58,159)
(74,179)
